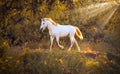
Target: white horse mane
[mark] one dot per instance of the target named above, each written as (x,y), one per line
(53,22)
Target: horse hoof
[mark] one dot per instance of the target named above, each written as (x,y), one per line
(69,50)
(50,50)
(62,47)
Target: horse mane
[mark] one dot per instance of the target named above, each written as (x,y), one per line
(53,22)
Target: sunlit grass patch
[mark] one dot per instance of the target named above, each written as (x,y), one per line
(44,61)
(91,63)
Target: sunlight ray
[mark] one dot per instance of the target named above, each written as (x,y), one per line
(106,18)
(93,11)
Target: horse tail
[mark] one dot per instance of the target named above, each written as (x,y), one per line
(78,33)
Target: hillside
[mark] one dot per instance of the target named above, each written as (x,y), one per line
(25,50)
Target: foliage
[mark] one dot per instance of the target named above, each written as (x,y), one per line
(3,48)
(56,62)
(20,20)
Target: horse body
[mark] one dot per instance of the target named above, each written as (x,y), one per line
(63,30)
(57,31)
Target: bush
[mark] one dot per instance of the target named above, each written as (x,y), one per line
(3,48)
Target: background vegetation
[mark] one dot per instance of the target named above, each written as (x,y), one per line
(23,49)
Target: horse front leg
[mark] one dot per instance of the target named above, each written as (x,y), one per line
(57,39)
(51,42)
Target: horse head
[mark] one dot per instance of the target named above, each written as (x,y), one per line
(43,25)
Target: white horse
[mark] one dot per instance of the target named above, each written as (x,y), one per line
(56,31)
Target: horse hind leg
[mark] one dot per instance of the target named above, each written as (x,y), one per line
(72,42)
(77,45)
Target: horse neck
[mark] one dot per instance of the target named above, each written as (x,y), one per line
(50,26)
